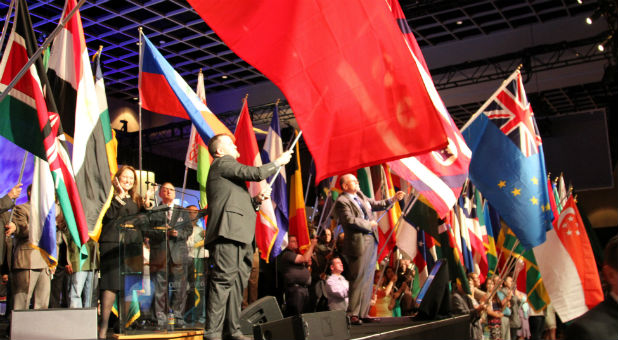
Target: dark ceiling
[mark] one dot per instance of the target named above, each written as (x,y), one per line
(189,44)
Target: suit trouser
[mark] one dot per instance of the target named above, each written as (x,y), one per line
(29,282)
(230,268)
(361,270)
(177,275)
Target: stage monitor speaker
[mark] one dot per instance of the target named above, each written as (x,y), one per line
(312,326)
(263,310)
(434,299)
(43,324)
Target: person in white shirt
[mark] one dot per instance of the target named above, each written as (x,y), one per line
(337,286)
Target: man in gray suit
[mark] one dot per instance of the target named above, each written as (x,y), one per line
(230,233)
(7,201)
(31,275)
(175,255)
(354,211)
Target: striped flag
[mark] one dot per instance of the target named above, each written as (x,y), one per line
(111,143)
(72,83)
(273,148)
(42,232)
(389,222)
(198,158)
(438,175)
(28,99)
(266,228)
(298,214)
(575,287)
(162,90)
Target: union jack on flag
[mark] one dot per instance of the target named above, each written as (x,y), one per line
(511,112)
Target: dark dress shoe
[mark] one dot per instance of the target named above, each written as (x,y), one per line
(355,320)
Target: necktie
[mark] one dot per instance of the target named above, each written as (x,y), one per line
(362,207)
(169,215)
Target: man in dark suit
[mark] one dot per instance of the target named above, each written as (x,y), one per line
(176,255)
(354,211)
(601,322)
(230,233)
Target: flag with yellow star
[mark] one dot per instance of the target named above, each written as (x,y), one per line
(508,166)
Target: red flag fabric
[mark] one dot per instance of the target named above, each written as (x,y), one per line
(355,90)
(266,225)
(437,175)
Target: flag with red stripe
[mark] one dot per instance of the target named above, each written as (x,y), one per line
(266,228)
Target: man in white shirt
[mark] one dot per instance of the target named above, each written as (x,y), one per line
(337,286)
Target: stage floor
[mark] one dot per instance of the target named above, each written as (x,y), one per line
(407,328)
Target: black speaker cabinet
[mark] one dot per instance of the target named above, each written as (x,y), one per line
(263,310)
(69,323)
(311,326)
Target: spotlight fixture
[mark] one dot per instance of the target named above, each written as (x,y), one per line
(580,2)
(601,48)
(224,77)
(589,21)
(459,22)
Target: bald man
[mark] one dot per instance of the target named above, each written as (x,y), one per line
(354,211)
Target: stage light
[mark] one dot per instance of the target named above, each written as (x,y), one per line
(459,22)
(589,21)
(580,2)
(601,48)
(224,77)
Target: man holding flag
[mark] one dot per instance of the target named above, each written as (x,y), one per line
(354,211)
(230,232)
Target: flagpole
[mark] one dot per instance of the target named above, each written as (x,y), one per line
(21,175)
(184,184)
(308,182)
(272,180)
(493,96)
(6,22)
(40,50)
(139,86)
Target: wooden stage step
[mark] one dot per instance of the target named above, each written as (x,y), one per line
(177,335)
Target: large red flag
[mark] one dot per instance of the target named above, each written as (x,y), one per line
(346,71)
(266,225)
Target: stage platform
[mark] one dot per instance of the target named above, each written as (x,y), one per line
(408,328)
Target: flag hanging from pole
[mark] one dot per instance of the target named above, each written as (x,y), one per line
(355,109)
(438,175)
(273,148)
(28,99)
(298,215)
(266,228)
(508,165)
(42,231)
(82,116)
(162,90)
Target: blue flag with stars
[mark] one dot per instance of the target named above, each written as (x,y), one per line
(508,166)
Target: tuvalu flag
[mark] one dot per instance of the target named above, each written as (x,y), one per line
(72,83)
(508,165)
(27,103)
(346,71)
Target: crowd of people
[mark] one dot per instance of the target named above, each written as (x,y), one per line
(186,275)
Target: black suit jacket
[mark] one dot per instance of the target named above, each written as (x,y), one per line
(231,213)
(178,251)
(601,322)
(355,226)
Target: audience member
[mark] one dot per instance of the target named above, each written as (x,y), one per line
(337,286)
(296,276)
(462,303)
